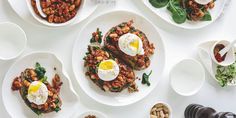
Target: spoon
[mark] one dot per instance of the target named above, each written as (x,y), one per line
(40,9)
(227,48)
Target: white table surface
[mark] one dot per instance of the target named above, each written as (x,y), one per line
(179,44)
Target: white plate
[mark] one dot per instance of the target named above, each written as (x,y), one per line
(13,41)
(91,112)
(105,22)
(166,15)
(21,8)
(12,100)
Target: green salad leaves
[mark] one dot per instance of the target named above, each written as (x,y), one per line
(179,15)
(225,75)
(159,3)
(181,11)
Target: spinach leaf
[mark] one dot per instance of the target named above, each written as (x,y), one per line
(145,78)
(99,34)
(179,15)
(39,70)
(57,109)
(207,16)
(158,3)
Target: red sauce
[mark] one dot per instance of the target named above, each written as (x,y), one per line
(218,57)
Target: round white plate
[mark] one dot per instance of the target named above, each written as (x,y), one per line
(21,8)
(13,41)
(105,22)
(166,15)
(90,112)
(12,100)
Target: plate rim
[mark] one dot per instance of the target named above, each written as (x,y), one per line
(77,38)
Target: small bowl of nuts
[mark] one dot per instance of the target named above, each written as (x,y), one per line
(160,110)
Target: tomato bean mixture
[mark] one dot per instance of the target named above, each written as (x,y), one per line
(93,57)
(57,11)
(23,82)
(197,11)
(111,43)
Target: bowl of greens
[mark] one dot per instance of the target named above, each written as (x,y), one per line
(187,14)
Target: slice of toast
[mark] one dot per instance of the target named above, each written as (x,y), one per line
(92,59)
(53,102)
(111,39)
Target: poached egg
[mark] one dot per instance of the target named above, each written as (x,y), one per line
(108,70)
(131,44)
(37,93)
(203,2)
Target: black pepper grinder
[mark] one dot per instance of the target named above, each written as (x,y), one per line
(199,111)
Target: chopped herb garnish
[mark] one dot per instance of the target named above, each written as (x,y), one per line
(97,37)
(145,78)
(57,109)
(225,75)
(44,79)
(92,70)
(56,101)
(38,112)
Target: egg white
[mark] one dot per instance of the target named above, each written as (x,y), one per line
(39,96)
(125,41)
(110,74)
(203,2)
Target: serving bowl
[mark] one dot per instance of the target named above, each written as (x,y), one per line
(45,22)
(15,105)
(230,56)
(13,41)
(90,112)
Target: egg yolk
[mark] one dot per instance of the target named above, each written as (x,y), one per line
(134,44)
(34,88)
(106,65)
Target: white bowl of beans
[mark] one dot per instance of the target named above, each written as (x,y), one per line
(55,13)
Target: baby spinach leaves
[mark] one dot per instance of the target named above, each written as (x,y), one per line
(97,37)
(207,16)
(145,78)
(159,3)
(179,15)
(39,70)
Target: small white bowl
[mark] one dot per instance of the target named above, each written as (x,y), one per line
(230,56)
(91,112)
(165,104)
(45,22)
(12,41)
(187,77)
